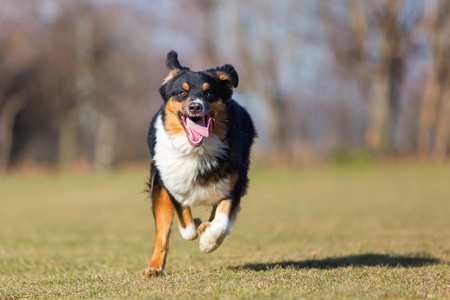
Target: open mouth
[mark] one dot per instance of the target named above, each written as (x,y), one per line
(197,128)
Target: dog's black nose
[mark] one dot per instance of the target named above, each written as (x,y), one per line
(195,108)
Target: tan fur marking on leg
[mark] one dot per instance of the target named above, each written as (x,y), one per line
(188,226)
(224,207)
(186,217)
(163,211)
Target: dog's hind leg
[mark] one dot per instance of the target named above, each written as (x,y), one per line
(163,211)
(187,225)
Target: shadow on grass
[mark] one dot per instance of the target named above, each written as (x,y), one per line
(368,260)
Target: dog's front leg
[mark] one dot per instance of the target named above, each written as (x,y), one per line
(213,233)
(163,210)
(188,226)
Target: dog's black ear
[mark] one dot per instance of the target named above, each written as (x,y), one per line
(172,62)
(228,74)
(173,65)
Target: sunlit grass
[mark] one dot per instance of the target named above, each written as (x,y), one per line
(381,231)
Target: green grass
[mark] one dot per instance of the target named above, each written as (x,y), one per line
(372,232)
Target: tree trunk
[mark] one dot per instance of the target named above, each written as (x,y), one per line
(427,113)
(278,118)
(8,114)
(68,139)
(377,133)
(433,124)
(395,76)
(104,142)
(443,128)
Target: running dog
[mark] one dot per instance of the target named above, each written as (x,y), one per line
(200,144)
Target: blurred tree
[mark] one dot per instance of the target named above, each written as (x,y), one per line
(79,79)
(377,71)
(434,126)
(57,77)
(260,50)
(16,69)
(73,72)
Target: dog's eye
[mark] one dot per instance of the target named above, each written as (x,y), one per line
(183,93)
(208,93)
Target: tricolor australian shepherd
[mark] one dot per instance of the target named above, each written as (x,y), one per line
(200,143)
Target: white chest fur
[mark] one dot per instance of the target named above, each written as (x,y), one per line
(179,162)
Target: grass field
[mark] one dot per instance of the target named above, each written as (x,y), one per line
(372,232)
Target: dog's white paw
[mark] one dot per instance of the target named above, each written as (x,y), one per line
(190,232)
(212,234)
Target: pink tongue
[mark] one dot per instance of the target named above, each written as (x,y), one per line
(199,129)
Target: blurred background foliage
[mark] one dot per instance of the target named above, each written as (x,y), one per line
(324,80)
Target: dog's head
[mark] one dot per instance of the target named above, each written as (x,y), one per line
(195,102)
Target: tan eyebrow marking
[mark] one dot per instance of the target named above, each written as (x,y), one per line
(185,86)
(205,86)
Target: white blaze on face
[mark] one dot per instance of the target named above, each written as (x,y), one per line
(196,100)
